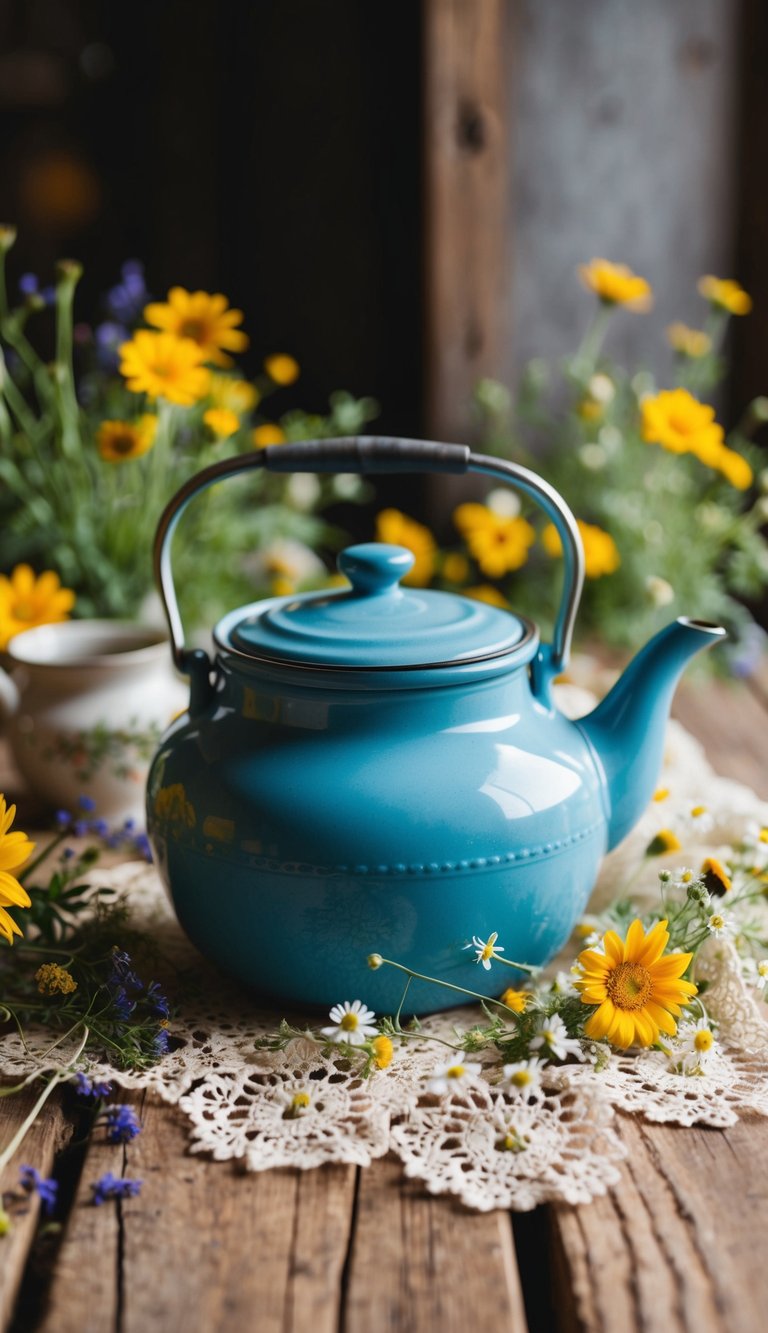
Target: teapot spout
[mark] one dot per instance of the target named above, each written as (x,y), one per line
(626,730)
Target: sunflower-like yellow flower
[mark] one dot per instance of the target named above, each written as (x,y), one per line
(616,284)
(680,423)
(638,989)
(693,343)
(27,601)
(269,433)
(516,1000)
(455,567)
(164,366)
(15,851)
(203,318)
(399,530)
(222,421)
(282,369)
(498,542)
(662,843)
(726,294)
(601,554)
(118,441)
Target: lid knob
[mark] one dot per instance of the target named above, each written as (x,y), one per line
(375,567)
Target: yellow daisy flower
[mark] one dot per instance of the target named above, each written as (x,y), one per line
(15,851)
(485,592)
(664,841)
(693,343)
(615,284)
(27,601)
(680,423)
(715,877)
(238,395)
(455,567)
(164,366)
(735,468)
(205,319)
(726,294)
(499,543)
(601,554)
(398,529)
(516,1000)
(269,433)
(282,369)
(382,1051)
(638,990)
(222,421)
(117,441)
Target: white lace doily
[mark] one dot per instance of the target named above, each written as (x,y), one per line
(299,1107)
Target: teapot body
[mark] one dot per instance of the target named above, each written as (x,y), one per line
(301,827)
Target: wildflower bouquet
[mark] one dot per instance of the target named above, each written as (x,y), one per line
(95,442)
(670,508)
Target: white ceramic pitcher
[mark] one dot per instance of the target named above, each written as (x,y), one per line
(86,703)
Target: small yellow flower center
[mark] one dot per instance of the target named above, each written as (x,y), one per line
(300,1101)
(349,1023)
(487,951)
(521,1078)
(762,969)
(698,811)
(629,986)
(686,877)
(455,1071)
(763,835)
(717,922)
(703,1041)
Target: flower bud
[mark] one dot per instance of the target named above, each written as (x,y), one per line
(375,961)
(7,237)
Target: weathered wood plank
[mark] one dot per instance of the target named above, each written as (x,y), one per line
(423,1263)
(732,724)
(204,1246)
(466,77)
(677,1245)
(44,1139)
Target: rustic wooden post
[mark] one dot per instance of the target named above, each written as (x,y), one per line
(467,58)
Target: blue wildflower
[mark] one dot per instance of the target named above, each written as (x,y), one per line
(100,827)
(126,300)
(122,970)
(68,853)
(160,1042)
(86,803)
(81,828)
(112,1187)
(122,1125)
(122,1003)
(31,1180)
(85,1088)
(157,1002)
(129,825)
(63,818)
(142,845)
(109,337)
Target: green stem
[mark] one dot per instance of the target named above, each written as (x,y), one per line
(448,985)
(585,360)
(26,1125)
(46,852)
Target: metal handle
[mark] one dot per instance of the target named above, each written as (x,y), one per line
(377,454)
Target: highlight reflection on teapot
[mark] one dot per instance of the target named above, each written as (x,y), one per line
(380,768)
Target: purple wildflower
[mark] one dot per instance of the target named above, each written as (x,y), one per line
(142,845)
(68,853)
(85,1088)
(109,337)
(81,828)
(112,1187)
(122,970)
(127,299)
(31,1180)
(122,1003)
(86,803)
(122,1125)
(63,818)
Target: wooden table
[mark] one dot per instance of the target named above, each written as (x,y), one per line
(679,1244)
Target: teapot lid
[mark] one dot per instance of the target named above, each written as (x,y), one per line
(374,623)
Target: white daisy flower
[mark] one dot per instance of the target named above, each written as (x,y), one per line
(552,1039)
(683,876)
(485,950)
(761,979)
(352,1023)
(524,1076)
(720,924)
(698,819)
(453,1075)
(563,984)
(695,1046)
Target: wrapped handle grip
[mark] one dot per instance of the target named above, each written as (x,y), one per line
(379,454)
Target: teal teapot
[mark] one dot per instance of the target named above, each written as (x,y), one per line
(382,769)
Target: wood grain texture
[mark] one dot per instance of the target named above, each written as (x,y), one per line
(204,1246)
(466,75)
(677,1246)
(39,1148)
(423,1263)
